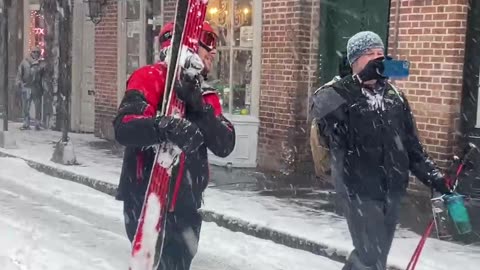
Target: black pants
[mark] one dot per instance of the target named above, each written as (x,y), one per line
(372,226)
(182,229)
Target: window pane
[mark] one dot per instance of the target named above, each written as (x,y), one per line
(133,63)
(133,9)
(133,46)
(219,77)
(157,8)
(157,26)
(218,17)
(242,23)
(133,27)
(242,78)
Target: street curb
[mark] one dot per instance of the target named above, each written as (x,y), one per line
(238,225)
(96,184)
(222,220)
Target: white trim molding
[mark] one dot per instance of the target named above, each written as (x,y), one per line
(244,154)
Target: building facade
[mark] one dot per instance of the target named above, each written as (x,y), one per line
(274,53)
(262,71)
(33,24)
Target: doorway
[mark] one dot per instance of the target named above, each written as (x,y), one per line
(87,106)
(341,19)
(470,108)
(83,70)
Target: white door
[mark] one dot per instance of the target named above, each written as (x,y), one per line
(87,106)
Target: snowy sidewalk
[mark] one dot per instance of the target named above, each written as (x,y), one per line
(271,218)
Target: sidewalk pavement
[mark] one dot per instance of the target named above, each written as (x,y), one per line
(298,223)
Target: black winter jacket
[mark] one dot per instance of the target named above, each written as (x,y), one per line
(378,142)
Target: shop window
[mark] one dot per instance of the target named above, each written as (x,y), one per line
(37,31)
(232,73)
(133,27)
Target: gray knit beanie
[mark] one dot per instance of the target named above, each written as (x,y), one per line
(361,42)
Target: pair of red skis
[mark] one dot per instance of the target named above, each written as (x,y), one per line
(148,242)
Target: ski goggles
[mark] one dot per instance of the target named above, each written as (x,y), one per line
(208,41)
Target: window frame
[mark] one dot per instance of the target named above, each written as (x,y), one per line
(122,56)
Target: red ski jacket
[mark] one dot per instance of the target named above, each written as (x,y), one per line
(136,127)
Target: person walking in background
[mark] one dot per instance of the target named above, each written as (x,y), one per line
(30,83)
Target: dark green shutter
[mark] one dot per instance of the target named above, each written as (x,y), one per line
(339,20)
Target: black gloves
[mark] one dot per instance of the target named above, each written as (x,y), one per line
(188,90)
(439,183)
(372,71)
(181,132)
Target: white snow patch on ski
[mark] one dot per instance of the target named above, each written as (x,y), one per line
(168,156)
(143,259)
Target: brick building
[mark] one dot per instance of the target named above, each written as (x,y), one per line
(276,52)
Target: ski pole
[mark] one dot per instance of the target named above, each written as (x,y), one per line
(416,255)
(473,148)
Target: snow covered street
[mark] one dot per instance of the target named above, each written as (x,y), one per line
(52,224)
(278,216)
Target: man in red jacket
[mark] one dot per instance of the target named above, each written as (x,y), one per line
(138,128)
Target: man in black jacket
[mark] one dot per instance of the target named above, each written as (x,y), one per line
(30,81)
(138,128)
(374,144)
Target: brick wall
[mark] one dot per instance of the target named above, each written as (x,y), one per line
(432,37)
(106,71)
(289,50)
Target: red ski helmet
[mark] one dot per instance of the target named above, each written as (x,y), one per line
(208,37)
(165,35)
